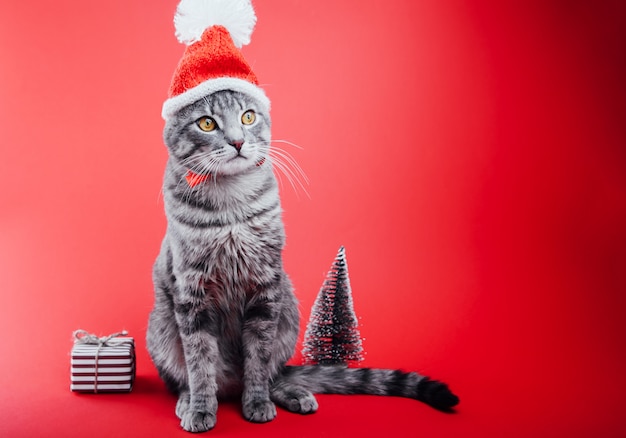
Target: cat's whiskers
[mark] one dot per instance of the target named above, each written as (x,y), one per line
(291,163)
(202,164)
(210,163)
(289,143)
(286,171)
(286,164)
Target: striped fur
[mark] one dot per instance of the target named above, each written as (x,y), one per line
(225,319)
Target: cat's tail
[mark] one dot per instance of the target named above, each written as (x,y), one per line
(324,379)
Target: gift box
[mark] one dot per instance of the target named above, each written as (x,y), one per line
(102,364)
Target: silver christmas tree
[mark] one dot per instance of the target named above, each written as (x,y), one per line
(332,336)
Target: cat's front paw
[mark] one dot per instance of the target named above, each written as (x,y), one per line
(182,405)
(194,421)
(259,411)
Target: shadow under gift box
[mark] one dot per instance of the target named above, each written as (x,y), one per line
(103,367)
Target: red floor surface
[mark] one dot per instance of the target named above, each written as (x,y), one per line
(471,157)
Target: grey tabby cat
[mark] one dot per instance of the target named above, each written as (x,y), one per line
(225,318)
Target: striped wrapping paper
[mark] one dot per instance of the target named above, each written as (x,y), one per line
(114,370)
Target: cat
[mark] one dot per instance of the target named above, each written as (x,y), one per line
(225,319)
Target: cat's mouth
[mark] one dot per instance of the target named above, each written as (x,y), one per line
(243,162)
(231,166)
(226,165)
(239,156)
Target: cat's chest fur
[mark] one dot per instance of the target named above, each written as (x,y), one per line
(227,232)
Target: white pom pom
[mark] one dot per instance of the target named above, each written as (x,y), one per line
(193,17)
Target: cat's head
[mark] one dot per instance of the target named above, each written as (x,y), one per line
(225,133)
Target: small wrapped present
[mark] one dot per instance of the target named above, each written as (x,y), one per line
(105,364)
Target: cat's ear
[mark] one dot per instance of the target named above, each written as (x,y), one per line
(193,17)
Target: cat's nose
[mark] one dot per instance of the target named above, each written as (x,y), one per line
(237,144)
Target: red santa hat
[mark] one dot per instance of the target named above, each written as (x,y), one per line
(214,31)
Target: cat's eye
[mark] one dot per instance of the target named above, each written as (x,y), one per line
(248,117)
(207,124)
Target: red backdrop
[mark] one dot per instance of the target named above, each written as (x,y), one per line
(471,156)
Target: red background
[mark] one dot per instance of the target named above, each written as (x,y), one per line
(471,156)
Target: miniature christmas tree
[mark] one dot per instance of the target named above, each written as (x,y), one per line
(332,335)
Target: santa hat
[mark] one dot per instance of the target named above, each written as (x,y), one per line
(214,31)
